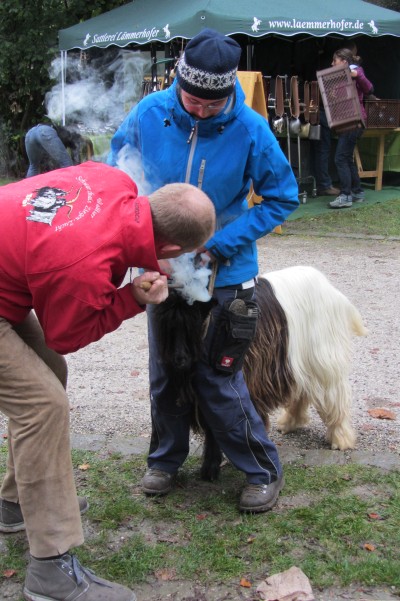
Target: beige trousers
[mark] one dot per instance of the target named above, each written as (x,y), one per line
(39,470)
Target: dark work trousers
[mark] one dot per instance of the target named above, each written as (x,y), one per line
(321,150)
(345,164)
(225,403)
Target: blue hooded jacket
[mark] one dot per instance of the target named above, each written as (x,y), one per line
(223,155)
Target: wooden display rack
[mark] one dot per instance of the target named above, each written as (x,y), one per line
(252,84)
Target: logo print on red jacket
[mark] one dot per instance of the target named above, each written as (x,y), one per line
(46,202)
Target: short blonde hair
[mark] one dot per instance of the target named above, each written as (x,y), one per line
(183,215)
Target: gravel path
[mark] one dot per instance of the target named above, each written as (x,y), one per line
(108,382)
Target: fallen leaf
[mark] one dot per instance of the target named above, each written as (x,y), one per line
(375,516)
(367,427)
(84,466)
(251,538)
(167,574)
(201,516)
(381,413)
(9,573)
(245,583)
(369,547)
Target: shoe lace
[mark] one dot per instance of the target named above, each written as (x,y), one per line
(79,571)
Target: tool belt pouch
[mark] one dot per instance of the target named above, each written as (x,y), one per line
(233,335)
(315,132)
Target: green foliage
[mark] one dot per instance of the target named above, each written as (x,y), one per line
(29,38)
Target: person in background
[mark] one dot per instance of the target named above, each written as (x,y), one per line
(321,151)
(45,142)
(201,131)
(61,290)
(350,183)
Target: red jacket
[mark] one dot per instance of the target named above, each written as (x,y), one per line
(68,238)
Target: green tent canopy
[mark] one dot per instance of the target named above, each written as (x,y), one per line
(144,21)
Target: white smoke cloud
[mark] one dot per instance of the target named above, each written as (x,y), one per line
(99,93)
(129,161)
(191,279)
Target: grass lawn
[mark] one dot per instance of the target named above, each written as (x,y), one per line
(339,524)
(378,219)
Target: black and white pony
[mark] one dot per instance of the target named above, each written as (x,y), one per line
(300,356)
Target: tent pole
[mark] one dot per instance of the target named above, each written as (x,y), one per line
(250,49)
(153,53)
(63,79)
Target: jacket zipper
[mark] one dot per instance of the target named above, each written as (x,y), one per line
(192,140)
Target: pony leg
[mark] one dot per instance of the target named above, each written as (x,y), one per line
(294,416)
(335,413)
(212,457)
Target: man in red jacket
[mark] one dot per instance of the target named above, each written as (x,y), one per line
(68,238)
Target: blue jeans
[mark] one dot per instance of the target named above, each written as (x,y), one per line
(225,403)
(42,141)
(344,160)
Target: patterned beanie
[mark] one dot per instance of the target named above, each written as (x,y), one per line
(207,68)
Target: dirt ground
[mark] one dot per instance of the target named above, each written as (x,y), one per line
(108,383)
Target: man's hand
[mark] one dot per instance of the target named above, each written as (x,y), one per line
(149,288)
(204,257)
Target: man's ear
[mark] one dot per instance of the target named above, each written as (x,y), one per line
(169,251)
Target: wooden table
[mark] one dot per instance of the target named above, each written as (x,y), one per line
(377,173)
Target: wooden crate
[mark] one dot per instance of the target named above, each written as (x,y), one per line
(340,98)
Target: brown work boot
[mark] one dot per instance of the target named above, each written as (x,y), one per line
(256,498)
(64,578)
(157,482)
(11,519)
(331,191)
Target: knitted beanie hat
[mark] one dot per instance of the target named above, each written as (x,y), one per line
(207,68)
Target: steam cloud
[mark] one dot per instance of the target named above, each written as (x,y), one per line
(98,94)
(192,278)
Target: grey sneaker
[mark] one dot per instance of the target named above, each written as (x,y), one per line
(11,519)
(342,201)
(64,578)
(157,482)
(358,196)
(257,498)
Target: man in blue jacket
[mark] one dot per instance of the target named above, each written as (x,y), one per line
(201,131)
